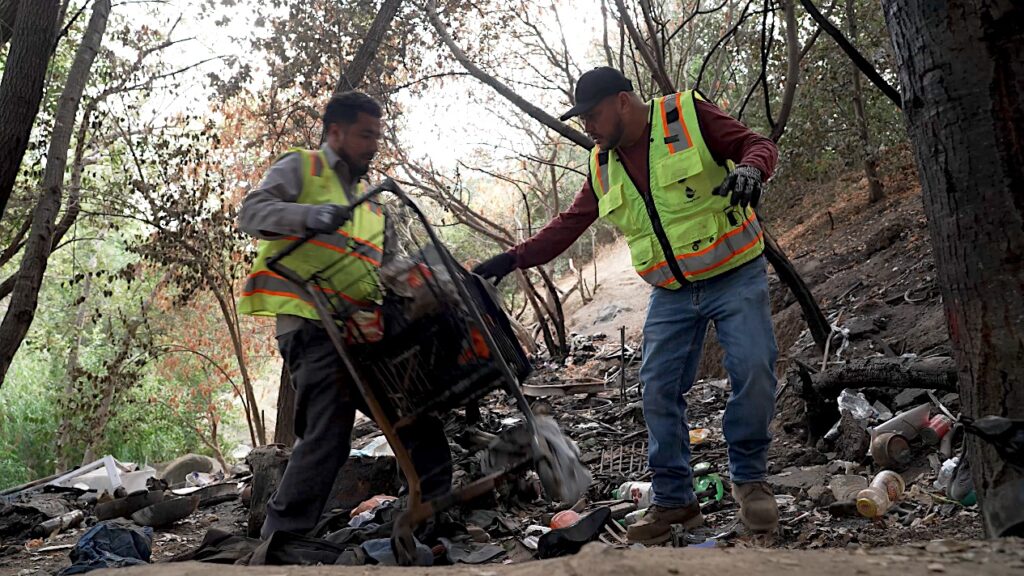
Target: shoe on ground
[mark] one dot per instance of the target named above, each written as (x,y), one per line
(656,525)
(758,510)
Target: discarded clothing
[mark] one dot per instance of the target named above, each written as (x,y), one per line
(288,548)
(219,547)
(110,545)
(562,475)
(470,552)
(565,541)
(380,551)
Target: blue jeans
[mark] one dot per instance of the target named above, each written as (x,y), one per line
(677,320)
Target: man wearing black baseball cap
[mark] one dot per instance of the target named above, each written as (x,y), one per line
(680,179)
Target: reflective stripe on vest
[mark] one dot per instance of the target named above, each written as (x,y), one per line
(716,255)
(677,137)
(346,262)
(701,232)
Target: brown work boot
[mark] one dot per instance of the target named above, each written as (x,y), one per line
(656,525)
(758,509)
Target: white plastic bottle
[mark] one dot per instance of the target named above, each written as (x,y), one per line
(640,493)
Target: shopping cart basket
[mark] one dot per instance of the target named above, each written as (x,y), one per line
(445,342)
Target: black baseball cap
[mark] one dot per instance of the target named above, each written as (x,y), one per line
(594,86)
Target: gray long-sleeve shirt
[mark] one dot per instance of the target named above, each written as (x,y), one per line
(270,210)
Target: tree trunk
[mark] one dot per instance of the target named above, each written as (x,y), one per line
(22,307)
(353,75)
(792,70)
(21,89)
(875,190)
(254,418)
(71,373)
(284,428)
(8,15)
(961,72)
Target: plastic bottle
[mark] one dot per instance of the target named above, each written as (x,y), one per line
(640,493)
(886,488)
(634,516)
(946,474)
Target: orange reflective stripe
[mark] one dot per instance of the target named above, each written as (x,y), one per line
(734,253)
(721,239)
(601,172)
(316,166)
(340,249)
(284,288)
(361,241)
(746,224)
(665,127)
(344,251)
(273,293)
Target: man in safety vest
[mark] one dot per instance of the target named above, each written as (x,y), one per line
(663,173)
(310,192)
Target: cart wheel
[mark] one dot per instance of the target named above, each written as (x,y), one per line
(403,543)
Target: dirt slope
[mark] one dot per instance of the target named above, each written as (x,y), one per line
(869,265)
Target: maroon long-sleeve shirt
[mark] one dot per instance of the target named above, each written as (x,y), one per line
(727,139)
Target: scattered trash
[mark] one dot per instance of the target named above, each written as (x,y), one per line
(961,485)
(634,517)
(698,436)
(946,474)
(376,448)
(569,540)
(886,488)
(936,429)
(110,545)
(856,405)
(907,424)
(126,506)
(58,524)
(532,534)
(641,493)
(470,552)
(106,475)
(381,552)
(564,519)
(369,505)
(889,449)
(201,479)
(166,512)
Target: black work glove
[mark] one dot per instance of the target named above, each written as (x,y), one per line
(742,185)
(497,267)
(325,218)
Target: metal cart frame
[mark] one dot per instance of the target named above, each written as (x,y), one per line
(418,510)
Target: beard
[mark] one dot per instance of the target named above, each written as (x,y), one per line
(615,137)
(356,168)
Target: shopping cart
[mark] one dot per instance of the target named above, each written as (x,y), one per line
(446,343)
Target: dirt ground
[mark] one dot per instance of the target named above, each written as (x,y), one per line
(973,558)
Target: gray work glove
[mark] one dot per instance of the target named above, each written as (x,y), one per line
(325,218)
(742,185)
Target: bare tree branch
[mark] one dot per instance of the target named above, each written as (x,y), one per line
(658,72)
(525,105)
(859,60)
